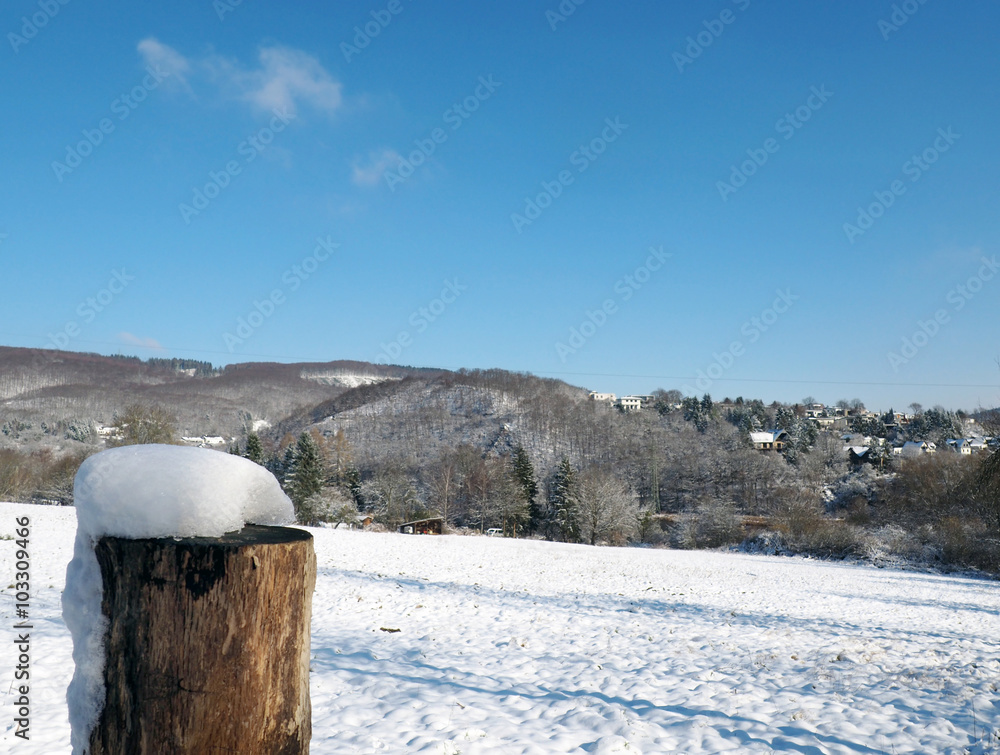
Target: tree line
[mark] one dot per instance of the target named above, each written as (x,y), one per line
(532,457)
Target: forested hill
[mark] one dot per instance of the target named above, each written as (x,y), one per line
(59,388)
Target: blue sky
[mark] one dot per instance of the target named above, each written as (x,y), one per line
(761,199)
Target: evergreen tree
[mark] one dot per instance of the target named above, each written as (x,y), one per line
(254,450)
(801,433)
(748,417)
(564,502)
(873,426)
(698,412)
(303,470)
(524,475)
(350,480)
(880,454)
(286,465)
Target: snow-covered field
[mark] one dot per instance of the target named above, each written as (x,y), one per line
(514,646)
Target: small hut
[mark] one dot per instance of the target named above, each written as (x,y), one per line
(432,526)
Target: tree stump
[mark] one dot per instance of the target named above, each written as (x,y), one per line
(208,644)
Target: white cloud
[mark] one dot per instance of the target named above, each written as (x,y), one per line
(145,343)
(164,57)
(370,173)
(283,79)
(288,75)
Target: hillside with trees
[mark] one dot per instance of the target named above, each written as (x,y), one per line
(526,456)
(57,399)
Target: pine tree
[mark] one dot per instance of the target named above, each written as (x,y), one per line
(524,475)
(306,476)
(254,450)
(698,412)
(286,466)
(564,502)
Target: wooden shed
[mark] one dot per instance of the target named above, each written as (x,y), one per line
(432,526)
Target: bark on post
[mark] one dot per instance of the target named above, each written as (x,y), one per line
(208,644)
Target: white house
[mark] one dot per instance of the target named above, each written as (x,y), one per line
(609,397)
(814,411)
(769,440)
(204,441)
(629,403)
(960,446)
(978,444)
(917,448)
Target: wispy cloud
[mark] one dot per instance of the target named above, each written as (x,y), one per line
(369,173)
(288,75)
(144,343)
(163,57)
(284,78)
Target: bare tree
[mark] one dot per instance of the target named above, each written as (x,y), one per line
(390,494)
(140,423)
(608,510)
(444,480)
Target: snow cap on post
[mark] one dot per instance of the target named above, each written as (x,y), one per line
(149,491)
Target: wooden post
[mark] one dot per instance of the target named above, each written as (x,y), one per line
(208,644)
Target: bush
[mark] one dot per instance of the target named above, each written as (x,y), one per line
(41,476)
(806,530)
(891,545)
(329,505)
(968,542)
(766,543)
(715,523)
(853,488)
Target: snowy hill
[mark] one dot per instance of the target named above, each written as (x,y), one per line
(59,388)
(514,646)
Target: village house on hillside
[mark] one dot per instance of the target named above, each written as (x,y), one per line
(916,448)
(206,441)
(769,440)
(625,403)
(607,397)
